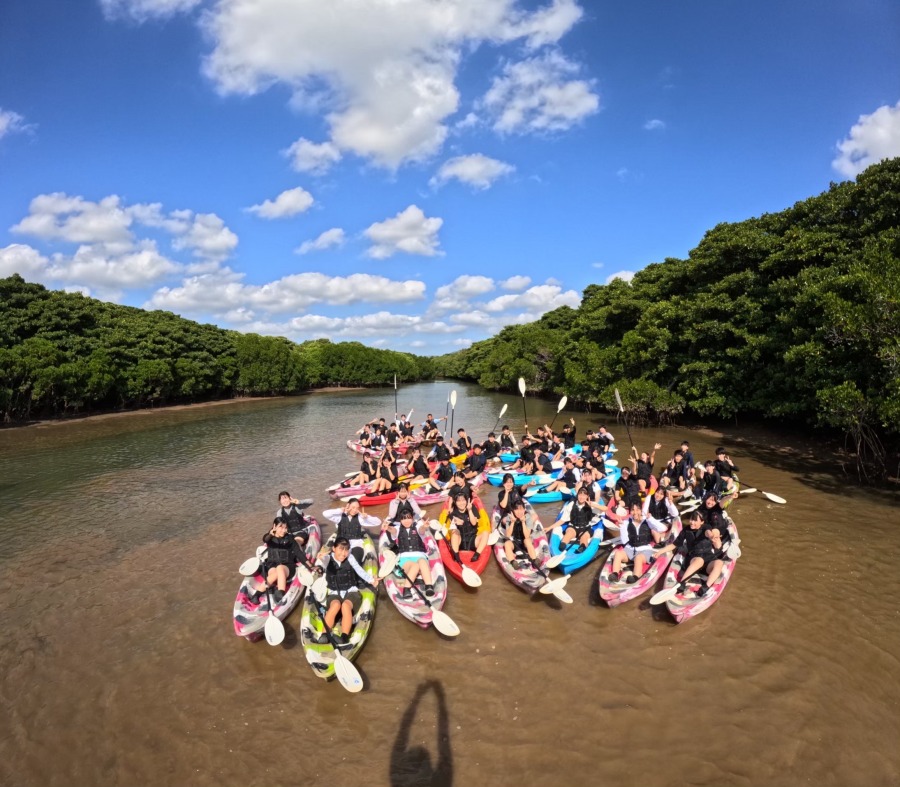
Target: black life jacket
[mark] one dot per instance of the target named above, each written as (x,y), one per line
(409,540)
(580,517)
(568,478)
(506,441)
(420,467)
(715,517)
(441,452)
(526,453)
(281,551)
(515,496)
(406,429)
(444,473)
(518,532)
(476,462)
(461,519)
(402,507)
(644,470)
(491,448)
(640,535)
(340,577)
(296,522)
(350,528)
(463,445)
(658,508)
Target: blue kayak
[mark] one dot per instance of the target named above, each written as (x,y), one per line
(576,560)
(496,479)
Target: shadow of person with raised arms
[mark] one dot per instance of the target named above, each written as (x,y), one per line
(412,767)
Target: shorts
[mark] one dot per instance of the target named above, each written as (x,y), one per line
(410,557)
(352,596)
(646,551)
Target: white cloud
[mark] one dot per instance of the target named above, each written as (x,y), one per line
(622,173)
(288,203)
(514,283)
(409,231)
(874,138)
(329,238)
(597,265)
(309,157)
(58,216)
(477,170)
(386,70)
(142,10)
(27,262)
(654,125)
(11,122)
(535,300)
(221,294)
(455,297)
(207,237)
(537,95)
(625,276)
(92,266)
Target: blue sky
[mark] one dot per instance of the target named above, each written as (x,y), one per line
(408,173)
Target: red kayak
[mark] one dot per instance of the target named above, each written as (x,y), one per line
(453,566)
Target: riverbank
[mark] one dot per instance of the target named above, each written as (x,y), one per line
(169,408)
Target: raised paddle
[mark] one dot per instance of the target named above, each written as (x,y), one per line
(562,404)
(446,413)
(624,416)
(441,620)
(748,491)
(452,410)
(396,411)
(522,391)
(347,674)
(468,575)
(502,410)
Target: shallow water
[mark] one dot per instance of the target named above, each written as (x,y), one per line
(119,545)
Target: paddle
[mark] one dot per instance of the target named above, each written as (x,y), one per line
(388,562)
(625,417)
(562,404)
(748,490)
(396,411)
(446,413)
(522,391)
(664,595)
(452,410)
(274,627)
(468,575)
(502,410)
(347,674)
(774,498)
(441,620)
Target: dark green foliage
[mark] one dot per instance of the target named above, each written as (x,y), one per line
(62,353)
(793,315)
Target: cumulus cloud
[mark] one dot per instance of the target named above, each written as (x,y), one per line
(313,158)
(11,122)
(535,300)
(219,294)
(409,231)
(385,70)
(329,238)
(625,276)
(19,258)
(457,295)
(654,125)
(207,237)
(142,10)
(514,283)
(288,203)
(538,94)
(476,170)
(874,138)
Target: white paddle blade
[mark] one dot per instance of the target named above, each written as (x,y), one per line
(470,577)
(553,585)
(348,676)
(522,386)
(562,404)
(249,567)
(493,538)
(664,595)
(612,462)
(274,630)
(444,623)
(320,589)
(748,491)
(563,596)
(619,401)
(306,576)
(608,543)
(774,498)
(554,561)
(452,398)
(388,562)
(502,410)
(734,550)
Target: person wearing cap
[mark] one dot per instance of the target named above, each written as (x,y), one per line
(577,520)
(412,557)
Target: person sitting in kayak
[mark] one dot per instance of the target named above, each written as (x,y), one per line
(366,473)
(440,451)
(350,521)
(707,554)
(465,532)
(282,555)
(475,464)
(491,448)
(637,537)
(675,470)
(517,530)
(642,465)
(463,443)
(710,481)
(526,455)
(412,557)
(568,480)
(577,521)
(568,434)
(386,477)
(508,439)
(713,515)
(459,485)
(430,429)
(442,474)
(344,576)
(400,505)
(509,495)
(291,511)
(417,467)
(685,540)
(627,488)
(724,465)
(659,509)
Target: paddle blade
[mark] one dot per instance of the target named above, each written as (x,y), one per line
(493,538)
(444,623)
(453,398)
(563,596)
(619,401)
(249,567)
(774,498)
(306,576)
(664,595)
(522,386)
(553,585)
(274,630)
(608,543)
(611,462)
(554,561)
(562,404)
(748,491)
(348,676)
(319,589)
(388,561)
(470,577)
(502,410)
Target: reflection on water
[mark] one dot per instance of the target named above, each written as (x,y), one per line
(119,545)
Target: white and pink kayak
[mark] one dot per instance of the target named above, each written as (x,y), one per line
(413,606)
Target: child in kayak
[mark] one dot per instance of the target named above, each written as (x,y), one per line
(577,521)
(707,554)
(462,522)
(386,477)
(518,544)
(412,557)
(400,505)
(638,540)
(350,522)
(291,511)
(344,575)
(281,558)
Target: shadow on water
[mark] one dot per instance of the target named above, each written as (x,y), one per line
(411,766)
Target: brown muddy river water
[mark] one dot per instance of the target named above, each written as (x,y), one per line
(120,540)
